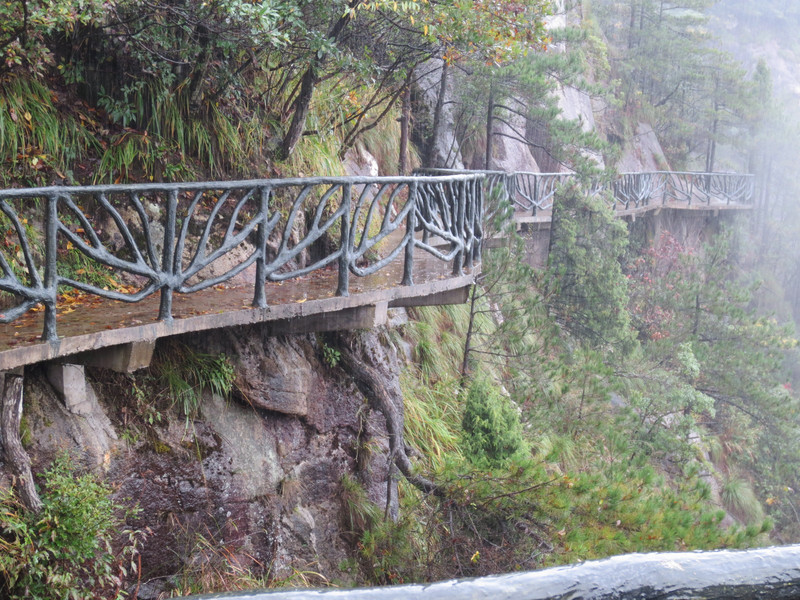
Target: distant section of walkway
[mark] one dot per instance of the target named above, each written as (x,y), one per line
(90,268)
(532,194)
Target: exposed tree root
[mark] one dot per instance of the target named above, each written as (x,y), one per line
(356,359)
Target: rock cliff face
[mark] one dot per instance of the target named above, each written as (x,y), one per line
(258,475)
(642,152)
(520,145)
(509,152)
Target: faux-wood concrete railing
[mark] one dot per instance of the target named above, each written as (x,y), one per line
(535,192)
(168,237)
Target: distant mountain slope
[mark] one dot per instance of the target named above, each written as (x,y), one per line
(765,29)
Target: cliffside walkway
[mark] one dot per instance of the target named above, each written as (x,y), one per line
(107,270)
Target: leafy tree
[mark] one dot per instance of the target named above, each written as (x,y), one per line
(696,96)
(26,26)
(714,360)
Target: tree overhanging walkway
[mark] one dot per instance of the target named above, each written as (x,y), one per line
(111,265)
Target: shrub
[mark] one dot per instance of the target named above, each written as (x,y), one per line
(492,429)
(65,551)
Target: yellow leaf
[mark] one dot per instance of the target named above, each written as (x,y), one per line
(27,116)
(412,18)
(301,301)
(70,246)
(425,30)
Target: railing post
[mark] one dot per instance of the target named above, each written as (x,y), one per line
(469,222)
(535,195)
(260,293)
(49,332)
(345,242)
(477,219)
(411,224)
(168,257)
(458,261)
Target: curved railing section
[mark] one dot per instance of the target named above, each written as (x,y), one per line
(169,238)
(499,188)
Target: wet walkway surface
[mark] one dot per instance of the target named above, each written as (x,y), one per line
(87,322)
(546,216)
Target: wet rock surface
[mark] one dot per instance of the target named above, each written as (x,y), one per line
(257,476)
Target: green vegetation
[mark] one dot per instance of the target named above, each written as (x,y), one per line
(585,274)
(72,548)
(578,475)
(223,88)
(566,413)
(184,374)
(492,430)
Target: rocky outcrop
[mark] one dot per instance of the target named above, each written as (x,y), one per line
(256,478)
(576,105)
(510,150)
(642,152)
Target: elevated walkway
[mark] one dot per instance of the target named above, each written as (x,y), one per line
(301,255)
(118,335)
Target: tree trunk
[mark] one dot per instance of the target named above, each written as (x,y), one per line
(436,130)
(711,155)
(301,107)
(405,123)
(15,455)
(468,340)
(632,25)
(302,103)
(489,128)
(199,70)
(370,383)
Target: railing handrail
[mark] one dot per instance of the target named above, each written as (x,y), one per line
(621,173)
(641,188)
(190,186)
(440,202)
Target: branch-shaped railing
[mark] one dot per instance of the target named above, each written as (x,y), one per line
(534,192)
(169,238)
